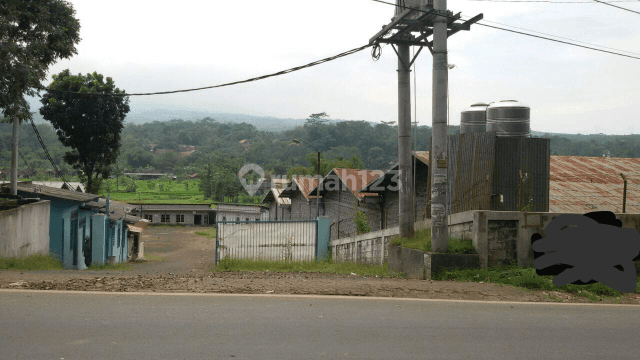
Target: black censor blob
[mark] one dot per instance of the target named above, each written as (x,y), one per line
(589,248)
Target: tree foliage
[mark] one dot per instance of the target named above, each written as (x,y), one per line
(33,35)
(88,124)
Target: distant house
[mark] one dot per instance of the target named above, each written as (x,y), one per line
(241,212)
(79,233)
(387,186)
(75,186)
(581,184)
(340,196)
(303,206)
(149,176)
(279,207)
(176,214)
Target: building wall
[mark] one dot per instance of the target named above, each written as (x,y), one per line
(227,215)
(25,230)
(303,208)
(189,216)
(340,207)
(117,245)
(392,198)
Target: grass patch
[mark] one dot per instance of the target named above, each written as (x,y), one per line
(210,234)
(325,267)
(528,279)
(422,241)
(153,257)
(33,262)
(115,267)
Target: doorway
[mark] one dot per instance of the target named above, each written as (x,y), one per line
(197,219)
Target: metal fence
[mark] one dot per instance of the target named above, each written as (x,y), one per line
(267,240)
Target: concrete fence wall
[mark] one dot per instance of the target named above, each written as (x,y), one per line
(369,248)
(500,237)
(24,231)
(504,237)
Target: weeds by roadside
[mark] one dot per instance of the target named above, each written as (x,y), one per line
(114,267)
(210,234)
(33,262)
(153,257)
(326,267)
(422,241)
(528,279)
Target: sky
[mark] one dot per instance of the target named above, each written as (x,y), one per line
(148,46)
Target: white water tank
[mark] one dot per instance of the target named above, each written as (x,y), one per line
(509,118)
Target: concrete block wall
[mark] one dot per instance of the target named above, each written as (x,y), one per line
(24,231)
(369,248)
(341,207)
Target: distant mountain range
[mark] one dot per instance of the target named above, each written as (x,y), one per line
(264,123)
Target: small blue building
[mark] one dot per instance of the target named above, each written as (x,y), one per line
(81,231)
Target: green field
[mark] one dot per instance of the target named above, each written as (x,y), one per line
(161,191)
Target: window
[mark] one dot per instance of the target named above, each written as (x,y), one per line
(165,218)
(149,217)
(179,218)
(224,218)
(237,219)
(247,220)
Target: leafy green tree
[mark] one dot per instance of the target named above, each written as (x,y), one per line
(89,123)
(33,35)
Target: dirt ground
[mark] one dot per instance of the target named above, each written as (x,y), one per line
(177,260)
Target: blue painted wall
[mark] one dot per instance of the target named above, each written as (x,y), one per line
(87,223)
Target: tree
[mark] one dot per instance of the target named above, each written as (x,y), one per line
(33,35)
(88,114)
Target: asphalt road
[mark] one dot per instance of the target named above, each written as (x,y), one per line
(82,325)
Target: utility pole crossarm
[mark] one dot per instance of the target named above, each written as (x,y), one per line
(465,25)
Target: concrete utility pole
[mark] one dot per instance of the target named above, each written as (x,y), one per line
(14,157)
(405,204)
(414,22)
(439,221)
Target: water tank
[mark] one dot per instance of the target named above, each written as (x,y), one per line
(474,119)
(509,118)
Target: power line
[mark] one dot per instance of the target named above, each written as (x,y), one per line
(283,72)
(519,32)
(23,159)
(560,41)
(559,37)
(553,2)
(58,172)
(615,6)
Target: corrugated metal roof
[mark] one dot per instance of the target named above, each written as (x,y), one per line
(60,184)
(422,156)
(173,207)
(135,229)
(581,184)
(117,210)
(275,194)
(55,192)
(583,197)
(304,184)
(603,170)
(354,179)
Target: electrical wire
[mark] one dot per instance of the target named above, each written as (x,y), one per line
(615,6)
(559,37)
(283,72)
(522,33)
(22,157)
(553,2)
(46,152)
